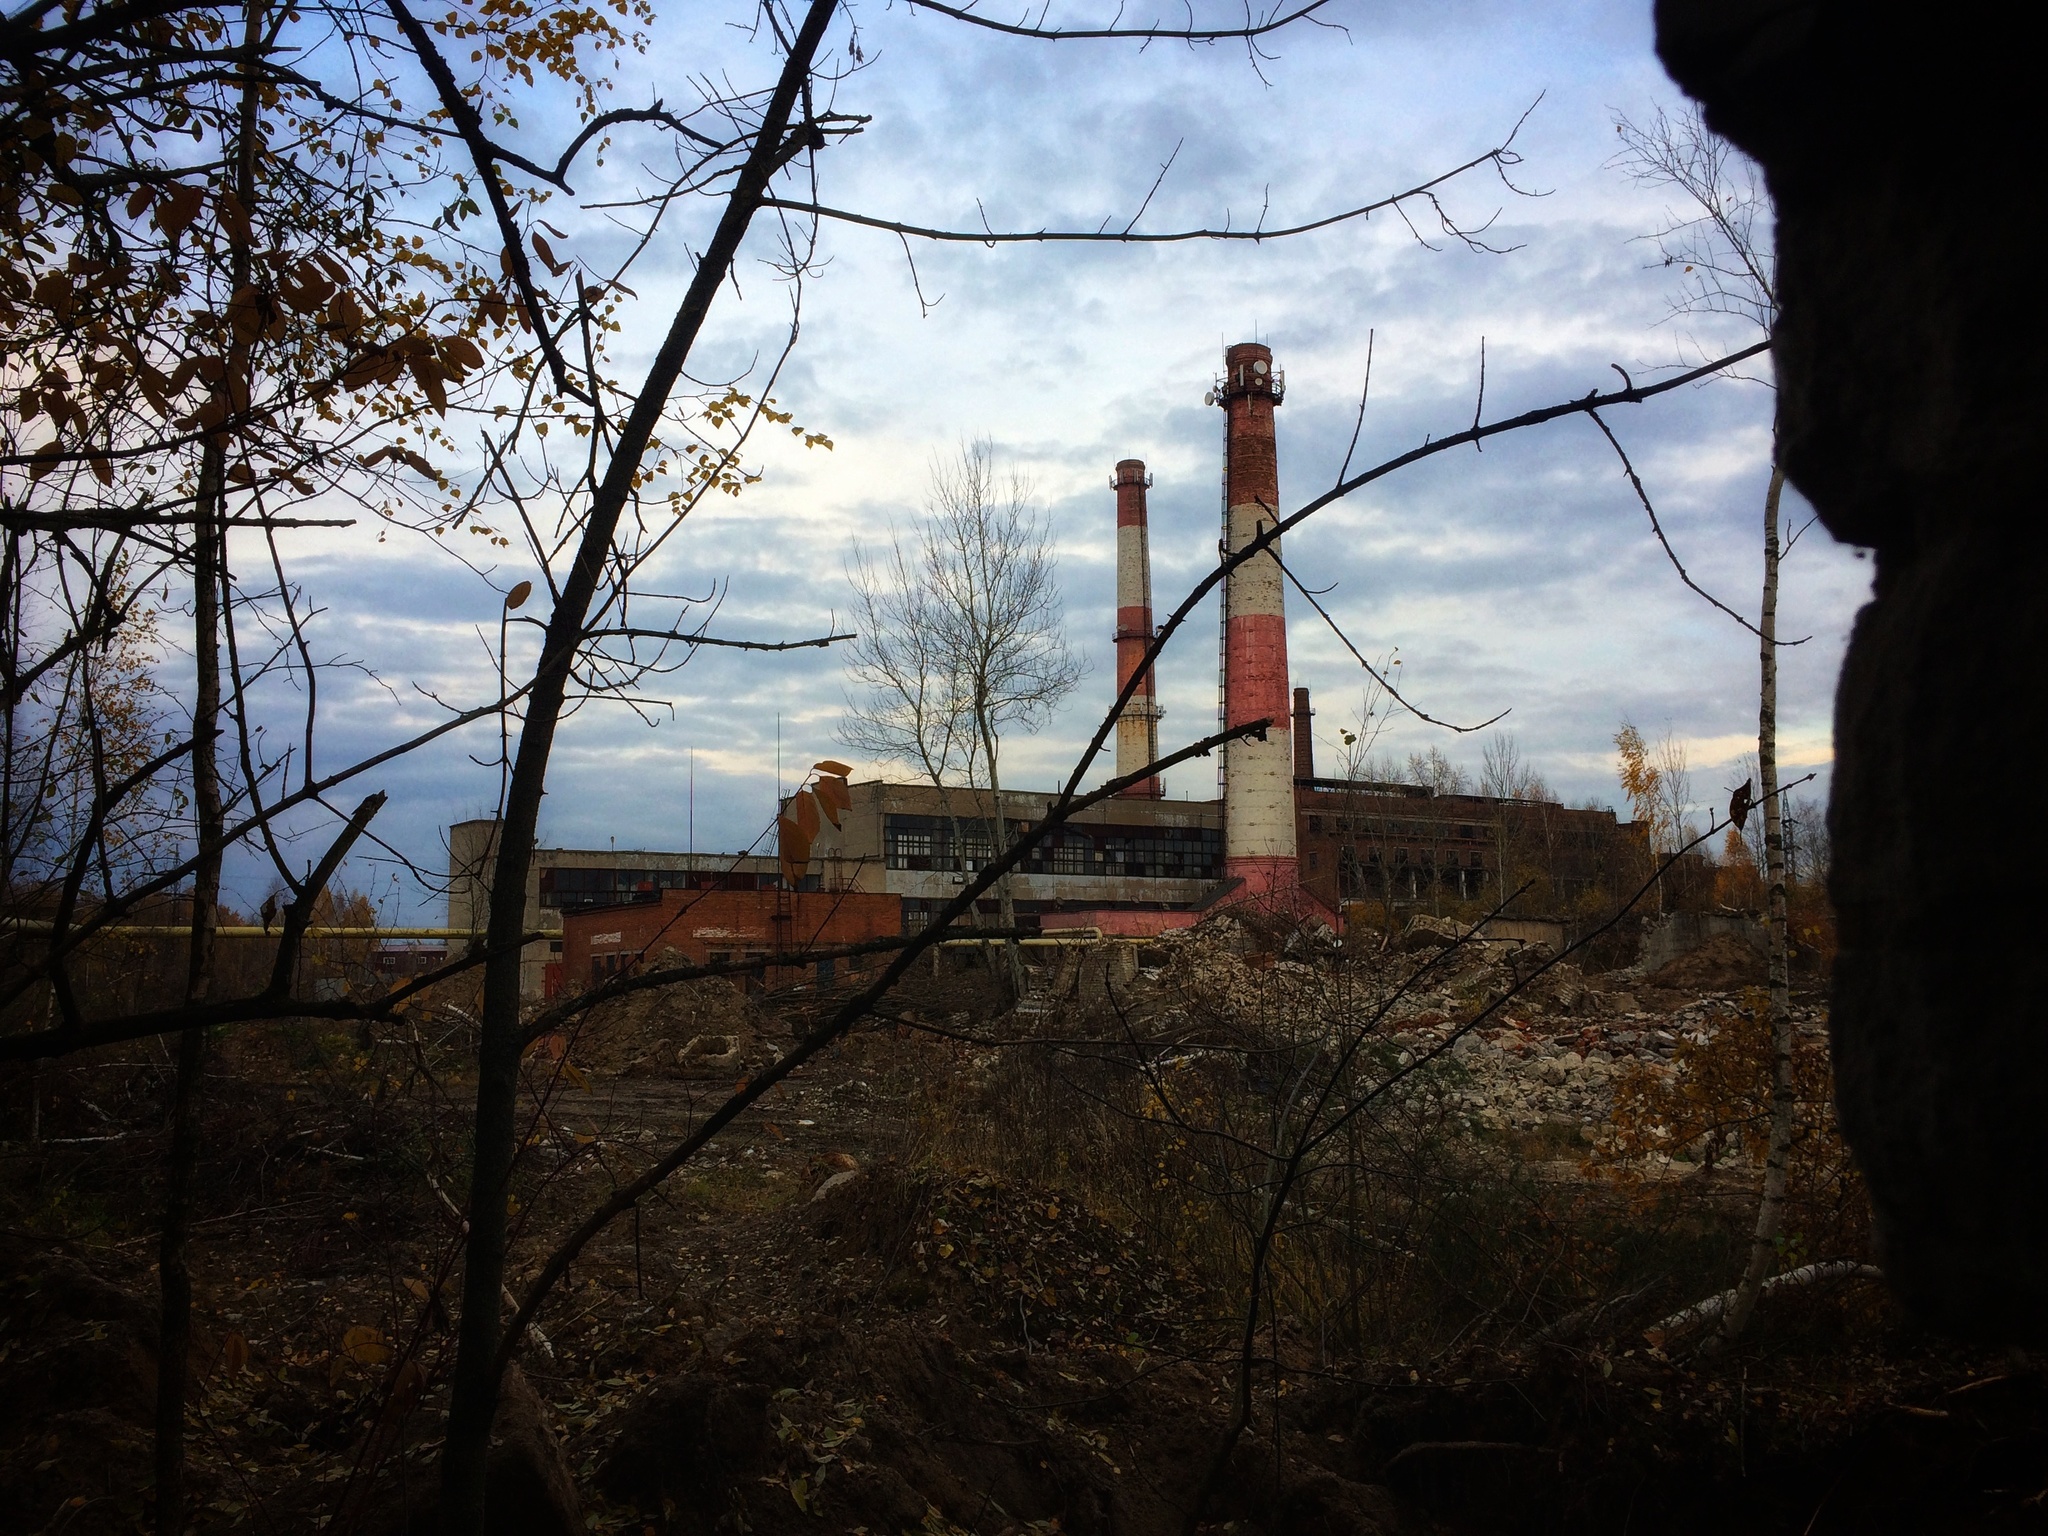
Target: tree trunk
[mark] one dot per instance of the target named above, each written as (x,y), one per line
(209,572)
(1770,1214)
(1006,906)
(174,1336)
(480,1356)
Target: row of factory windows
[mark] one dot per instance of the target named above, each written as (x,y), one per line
(1356,877)
(1380,826)
(1163,853)
(569,888)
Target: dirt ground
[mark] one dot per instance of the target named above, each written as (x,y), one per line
(822,1326)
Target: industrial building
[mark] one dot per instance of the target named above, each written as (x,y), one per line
(713,927)
(563,880)
(1124,856)
(1408,846)
(1137,863)
(1277,836)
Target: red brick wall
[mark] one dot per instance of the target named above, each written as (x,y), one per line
(699,925)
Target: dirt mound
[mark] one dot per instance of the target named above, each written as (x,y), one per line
(1053,1272)
(1723,964)
(923,1424)
(80,1394)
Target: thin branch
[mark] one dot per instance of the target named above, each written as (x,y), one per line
(991,237)
(1658,528)
(1085,34)
(1358,426)
(1480,404)
(737,645)
(22,521)
(1372,671)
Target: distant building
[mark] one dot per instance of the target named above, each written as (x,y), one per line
(710,927)
(564,880)
(1119,856)
(1405,845)
(396,960)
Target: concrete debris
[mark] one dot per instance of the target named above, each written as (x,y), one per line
(1549,1055)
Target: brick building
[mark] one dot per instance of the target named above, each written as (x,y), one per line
(709,927)
(565,880)
(1406,845)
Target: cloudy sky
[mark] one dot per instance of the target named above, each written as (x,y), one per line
(1524,578)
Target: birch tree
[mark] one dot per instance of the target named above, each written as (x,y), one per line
(1718,242)
(980,582)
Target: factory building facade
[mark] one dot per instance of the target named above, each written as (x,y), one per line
(1408,846)
(564,880)
(1120,857)
(713,927)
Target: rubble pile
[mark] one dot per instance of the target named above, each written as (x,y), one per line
(1550,1052)
(670,1031)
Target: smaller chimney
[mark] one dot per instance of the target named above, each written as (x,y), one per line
(1137,728)
(1304,744)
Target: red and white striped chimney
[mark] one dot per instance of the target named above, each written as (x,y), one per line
(1137,728)
(1258,776)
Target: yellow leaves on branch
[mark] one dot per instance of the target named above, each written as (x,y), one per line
(1714,1102)
(1640,779)
(433,363)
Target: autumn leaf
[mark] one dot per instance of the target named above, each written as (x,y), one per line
(556,268)
(428,374)
(405,456)
(365,1345)
(178,207)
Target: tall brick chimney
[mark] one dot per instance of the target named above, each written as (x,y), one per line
(1258,781)
(1137,728)
(1304,739)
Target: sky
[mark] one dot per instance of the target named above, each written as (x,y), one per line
(1524,578)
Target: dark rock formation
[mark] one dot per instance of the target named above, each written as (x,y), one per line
(1899,143)
(529,1490)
